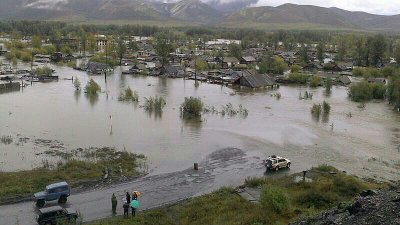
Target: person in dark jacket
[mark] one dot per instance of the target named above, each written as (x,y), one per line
(126,209)
(128,198)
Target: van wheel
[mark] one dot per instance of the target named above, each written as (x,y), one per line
(288,165)
(276,168)
(40,203)
(62,199)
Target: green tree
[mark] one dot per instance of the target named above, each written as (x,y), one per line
(235,50)
(377,47)
(92,43)
(133,46)
(163,48)
(396,52)
(304,53)
(65,49)
(201,65)
(36,42)
(320,51)
(121,49)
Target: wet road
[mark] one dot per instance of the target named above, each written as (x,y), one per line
(226,167)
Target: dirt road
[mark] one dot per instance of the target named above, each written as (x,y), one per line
(225,167)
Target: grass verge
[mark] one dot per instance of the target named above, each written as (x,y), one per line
(283,200)
(78,167)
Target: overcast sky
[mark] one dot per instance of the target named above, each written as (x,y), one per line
(387,7)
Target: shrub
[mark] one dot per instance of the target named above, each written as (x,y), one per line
(326,107)
(364,91)
(92,87)
(274,198)
(316,110)
(394,91)
(43,71)
(26,56)
(328,85)
(192,107)
(317,198)
(154,104)
(298,78)
(77,84)
(129,95)
(315,81)
(295,69)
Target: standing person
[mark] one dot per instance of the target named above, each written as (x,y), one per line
(126,209)
(134,198)
(114,203)
(128,198)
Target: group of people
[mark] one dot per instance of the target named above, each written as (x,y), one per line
(129,202)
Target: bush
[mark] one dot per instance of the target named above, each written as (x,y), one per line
(274,198)
(298,78)
(192,107)
(394,91)
(315,81)
(328,85)
(77,84)
(326,107)
(364,91)
(316,110)
(43,71)
(154,104)
(295,69)
(92,87)
(129,95)
(26,56)
(317,199)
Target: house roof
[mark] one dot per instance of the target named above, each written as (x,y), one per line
(249,59)
(345,79)
(230,60)
(256,80)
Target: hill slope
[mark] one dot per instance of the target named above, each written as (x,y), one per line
(198,12)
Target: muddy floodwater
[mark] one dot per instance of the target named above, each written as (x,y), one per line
(53,117)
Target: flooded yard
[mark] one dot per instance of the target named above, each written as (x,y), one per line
(53,117)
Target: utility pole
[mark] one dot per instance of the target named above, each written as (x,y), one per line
(105,72)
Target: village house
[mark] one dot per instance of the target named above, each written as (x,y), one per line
(252,79)
(229,62)
(247,60)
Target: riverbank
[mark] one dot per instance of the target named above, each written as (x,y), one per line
(81,168)
(283,199)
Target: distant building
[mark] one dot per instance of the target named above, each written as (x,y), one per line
(252,79)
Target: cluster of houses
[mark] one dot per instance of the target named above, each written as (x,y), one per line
(222,66)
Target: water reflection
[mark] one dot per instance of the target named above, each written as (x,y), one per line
(194,124)
(77,95)
(162,86)
(93,99)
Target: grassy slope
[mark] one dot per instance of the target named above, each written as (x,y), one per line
(23,183)
(225,207)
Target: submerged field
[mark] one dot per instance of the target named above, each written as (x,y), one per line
(365,143)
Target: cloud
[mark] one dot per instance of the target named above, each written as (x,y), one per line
(46,4)
(384,7)
(230,5)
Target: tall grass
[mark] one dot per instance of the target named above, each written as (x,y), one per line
(129,95)
(192,107)
(92,88)
(154,104)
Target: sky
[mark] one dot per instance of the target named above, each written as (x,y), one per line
(383,7)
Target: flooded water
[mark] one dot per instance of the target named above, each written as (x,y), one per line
(49,116)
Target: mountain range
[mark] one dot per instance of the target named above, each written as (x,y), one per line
(198,13)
